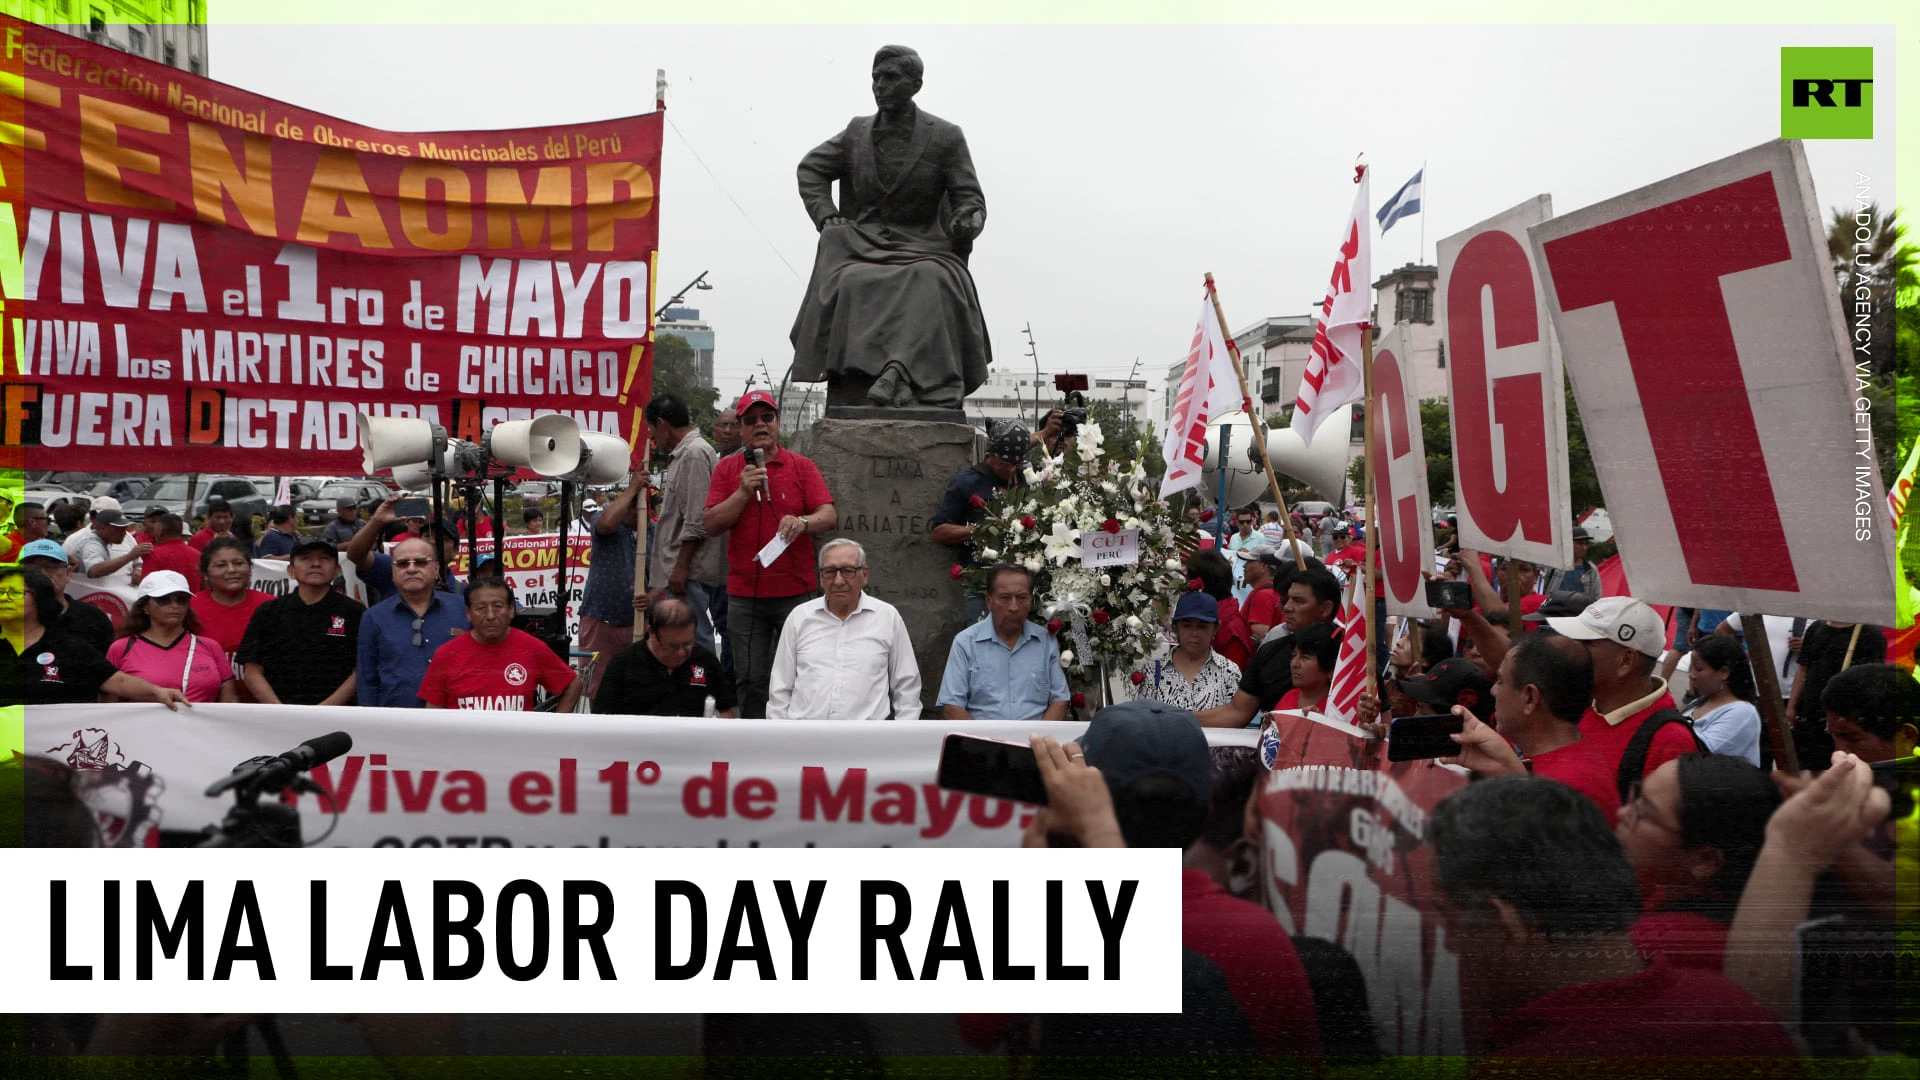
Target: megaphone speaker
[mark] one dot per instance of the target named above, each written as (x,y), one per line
(549,445)
(386,442)
(608,458)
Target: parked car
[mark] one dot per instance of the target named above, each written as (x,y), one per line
(367,494)
(535,490)
(124,488)
(52,495)
(245,496)
(1313,511)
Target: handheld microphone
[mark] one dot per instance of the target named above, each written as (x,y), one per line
(274,774)
(757,458)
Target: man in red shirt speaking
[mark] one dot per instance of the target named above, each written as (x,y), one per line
(493,666)
(764,493)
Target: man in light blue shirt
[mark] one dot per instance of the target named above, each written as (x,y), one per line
(1004,667)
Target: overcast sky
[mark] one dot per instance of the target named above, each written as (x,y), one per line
(1119,163)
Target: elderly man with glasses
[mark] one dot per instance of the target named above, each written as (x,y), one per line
(399,635)
(845,656)
(764,494)
(669,673)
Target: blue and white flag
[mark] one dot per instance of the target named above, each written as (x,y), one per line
(1404,202)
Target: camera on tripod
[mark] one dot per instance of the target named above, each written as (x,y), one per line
(1074,413)
(252,823)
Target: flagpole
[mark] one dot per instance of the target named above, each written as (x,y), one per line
(1420,257)
(1259,427)
(1373,521)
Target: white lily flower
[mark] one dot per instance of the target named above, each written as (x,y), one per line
(1062,544)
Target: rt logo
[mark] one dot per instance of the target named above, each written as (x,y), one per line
(1826,93)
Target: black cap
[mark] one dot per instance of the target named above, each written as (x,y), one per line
(1561,602)
(309,543)
(1454,681)
(1136,739)
(217,504)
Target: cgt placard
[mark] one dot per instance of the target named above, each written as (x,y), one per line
(1504,385)
(1722,400)
(1400,479)
(200,278)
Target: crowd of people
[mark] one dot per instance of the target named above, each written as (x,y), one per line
(1650,858)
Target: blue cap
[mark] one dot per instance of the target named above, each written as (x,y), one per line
(1137,739)
(44,549)
(1197,605)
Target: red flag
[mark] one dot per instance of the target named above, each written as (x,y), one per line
(1350,667)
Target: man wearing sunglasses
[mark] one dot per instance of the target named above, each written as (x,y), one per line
(756,496)
(400,634)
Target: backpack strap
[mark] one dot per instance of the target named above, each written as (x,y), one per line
(1633,763)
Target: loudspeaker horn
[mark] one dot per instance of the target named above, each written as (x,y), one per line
(1322,466)
(413,477)
(549,445)
(386,442)
(604,459)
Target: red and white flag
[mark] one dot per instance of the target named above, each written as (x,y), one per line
(1333,377)
(283,494)
(1350,667)
(1208,389)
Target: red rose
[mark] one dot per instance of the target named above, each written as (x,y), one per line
(977,502)
(1027,522)
(956,571)
(1079,701)
(1054,625)
(1110,525)
(1101,618)
(1138,677)
(1194,584)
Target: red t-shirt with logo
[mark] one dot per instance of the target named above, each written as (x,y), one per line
(797,489)
(1663,1011)
(464,674)
(1580,768)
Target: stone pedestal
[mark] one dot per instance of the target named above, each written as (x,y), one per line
(887,477)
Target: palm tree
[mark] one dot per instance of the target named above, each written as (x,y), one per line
(1883,262)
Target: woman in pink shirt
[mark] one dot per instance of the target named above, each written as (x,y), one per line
(161,643)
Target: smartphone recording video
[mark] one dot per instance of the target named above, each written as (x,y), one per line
(1413,738)
(998,770)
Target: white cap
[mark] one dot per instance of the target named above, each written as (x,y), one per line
(589,505)
(1619,619)
(103,502)
(164,583)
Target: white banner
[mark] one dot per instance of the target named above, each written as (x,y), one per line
(1700,322)
(269,576)
(571,931)
(418,778)
(1399,454)
(1506,395)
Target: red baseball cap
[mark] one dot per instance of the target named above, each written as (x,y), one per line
(755,397)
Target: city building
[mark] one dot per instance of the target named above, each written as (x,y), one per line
(171,32)
(1411,296)
(1024,396)
(686,323)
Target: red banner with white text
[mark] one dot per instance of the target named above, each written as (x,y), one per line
(200,278)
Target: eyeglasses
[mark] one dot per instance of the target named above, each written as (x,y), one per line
(1643,809)
(11,594)
(841,571)
(402,564)
(419,636)
(759,419)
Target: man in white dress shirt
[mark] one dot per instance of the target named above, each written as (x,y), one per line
(846,655)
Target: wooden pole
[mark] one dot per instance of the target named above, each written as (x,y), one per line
(1852,644)
(1513,600)
(1766,678)
(1259,430)
(1373,522)
(644,496)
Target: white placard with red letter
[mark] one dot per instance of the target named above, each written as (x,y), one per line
(1508,411)
(1700,322)
(1400,481)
